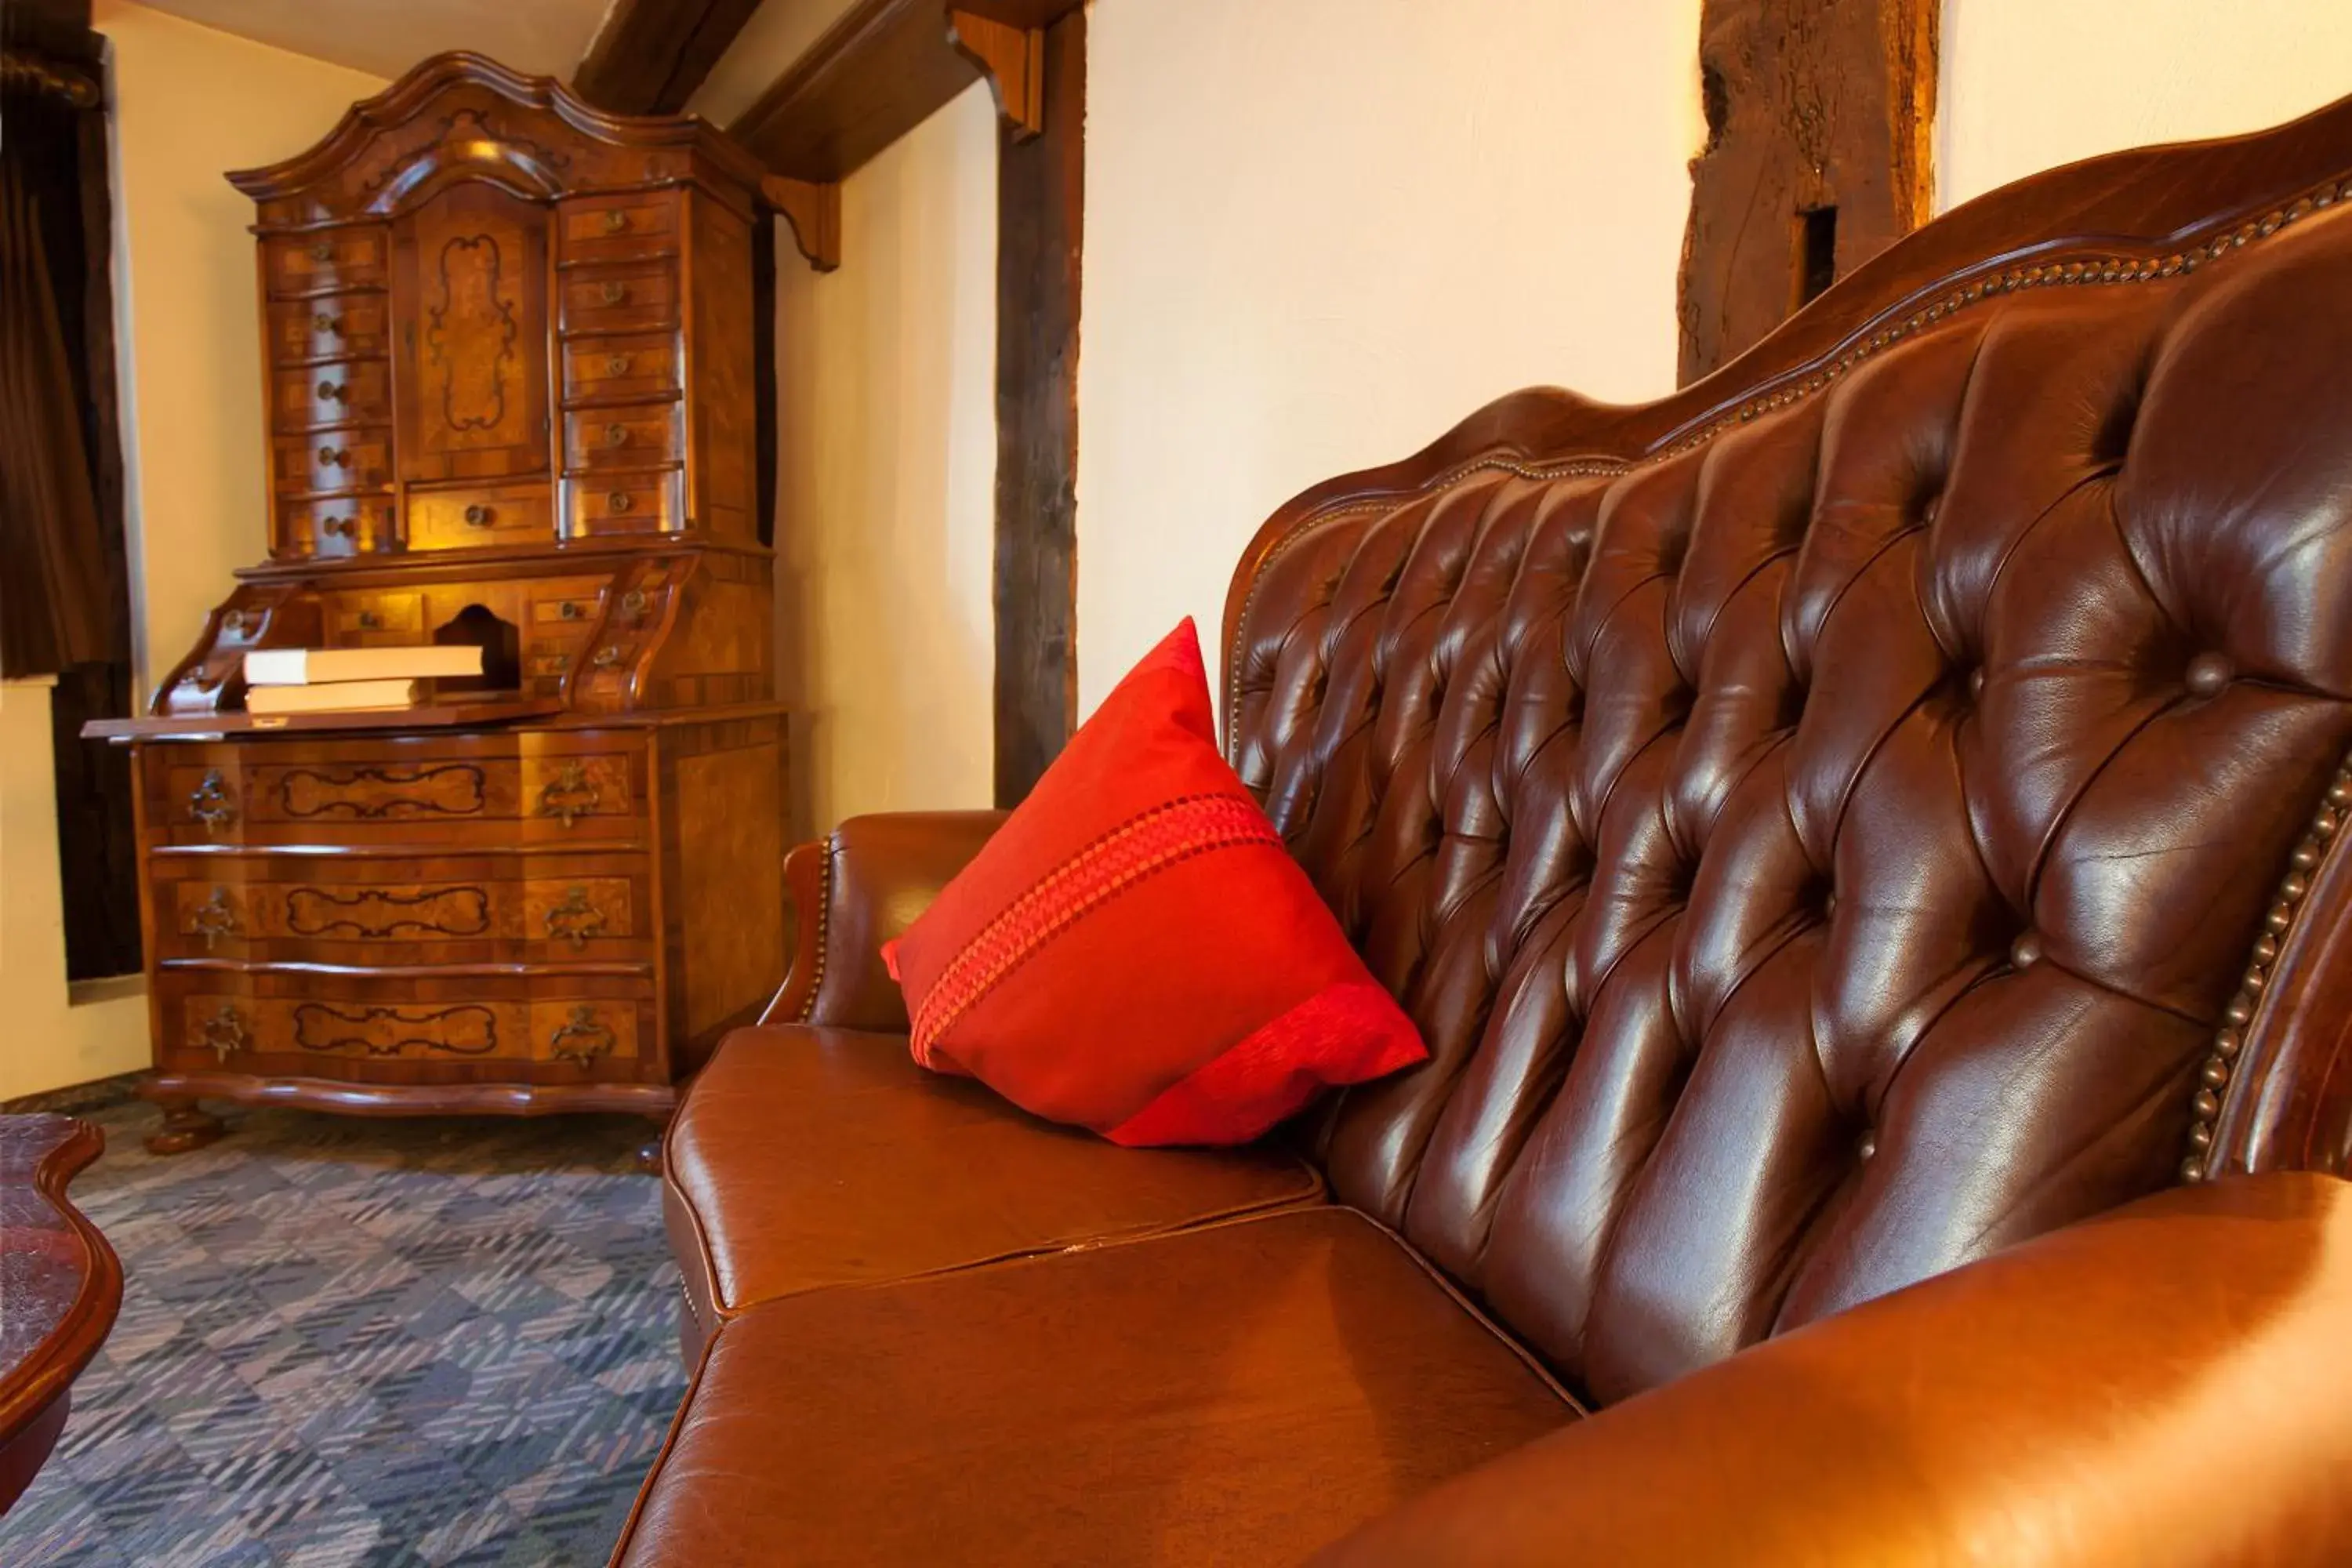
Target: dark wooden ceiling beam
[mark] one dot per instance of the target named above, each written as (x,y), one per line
(884,68)
(650,56)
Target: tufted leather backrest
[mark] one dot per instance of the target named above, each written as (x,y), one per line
(1821,822)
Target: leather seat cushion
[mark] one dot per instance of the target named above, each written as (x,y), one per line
(1245,1393)
(809,1157)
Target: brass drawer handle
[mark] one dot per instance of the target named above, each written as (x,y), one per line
(619,501)
(616,365)
(335,457)
(209,803)
(616,220)
(616,434)
(326,325)
(235,623)
(322,252)
(633,605)
(222,1033)
(369,621)
(581,1040)
(572,610)
(615,292)
(335,391)
(213,919)
(576,920)
(607,657)
(338,527)
(570,795)
(479,516)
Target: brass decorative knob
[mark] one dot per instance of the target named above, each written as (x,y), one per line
(335,457)
(616,220)
(338,527)
(633,605)
(209,803)
(614,292)
(333,391)
(330,325)
(571,610)
(616,434)
(234,622)
(619,501)
(479,516)
(322,252)
(370,621)
(222,1033)
(616,365)
(607,657)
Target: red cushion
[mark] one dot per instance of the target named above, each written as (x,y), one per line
(1135,951)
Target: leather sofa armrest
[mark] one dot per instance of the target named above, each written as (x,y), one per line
(855,891)
(2170,1383)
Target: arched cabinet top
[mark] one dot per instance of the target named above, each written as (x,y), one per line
(460,116)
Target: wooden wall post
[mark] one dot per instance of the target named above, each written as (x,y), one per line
(1040,207)
(1820,115)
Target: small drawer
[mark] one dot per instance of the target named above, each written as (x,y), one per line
(572,610)
(346,392)
(325,262)
(358,1027)
(642,436)
(617,229)
(333,326)
(615,298)
(366,618)
(638,366)
(622,503)
(336,525)
(455,520)
(334,460)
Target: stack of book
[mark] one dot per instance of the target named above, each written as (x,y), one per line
(351,680)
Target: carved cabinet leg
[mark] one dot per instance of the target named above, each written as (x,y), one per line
(185,1126)
(649,1152)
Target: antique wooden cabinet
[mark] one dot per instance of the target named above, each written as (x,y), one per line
(515,365)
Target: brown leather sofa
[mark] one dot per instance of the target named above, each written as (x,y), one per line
(1868,819)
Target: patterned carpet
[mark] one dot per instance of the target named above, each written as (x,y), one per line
(366,1343)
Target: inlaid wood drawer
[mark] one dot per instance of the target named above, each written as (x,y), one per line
(324,262)
(455,520)
(580,786)
(619,298)
(643,436)
(334,460)
(341,392)
(640,364)
(400,910)
(331,326)
(385,617)
(336,525)
(613,229)
(554,1028)
(624,504)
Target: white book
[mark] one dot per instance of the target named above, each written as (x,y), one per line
(312,666)
(333,697)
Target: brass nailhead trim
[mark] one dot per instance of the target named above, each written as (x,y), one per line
(2230,1039)
(823,928)
(2042,274)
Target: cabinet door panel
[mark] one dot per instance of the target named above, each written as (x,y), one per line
(469,293)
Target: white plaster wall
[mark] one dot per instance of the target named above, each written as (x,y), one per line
(887,459)
(1319,231)
(189,104)
(2029,84)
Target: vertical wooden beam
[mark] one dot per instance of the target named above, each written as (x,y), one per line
(1040,208)
(1820,115)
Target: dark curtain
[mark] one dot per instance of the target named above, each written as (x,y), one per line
(55,612)
(64,573)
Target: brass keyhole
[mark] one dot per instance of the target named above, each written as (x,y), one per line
(617,364)
(615,292)
(616,220)
(616,434)
(619,501)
